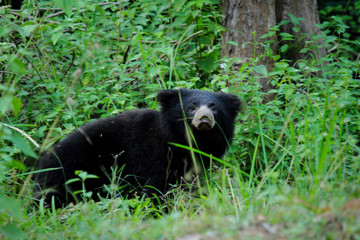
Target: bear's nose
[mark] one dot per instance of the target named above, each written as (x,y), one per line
(203,119)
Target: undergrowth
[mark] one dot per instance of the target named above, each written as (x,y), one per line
(293,167)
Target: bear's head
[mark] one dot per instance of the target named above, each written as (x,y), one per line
(203,110)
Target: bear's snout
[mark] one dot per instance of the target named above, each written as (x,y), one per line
(203,119)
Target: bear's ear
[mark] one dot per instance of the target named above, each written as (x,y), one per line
(235,102)
(231,101)
(168,97)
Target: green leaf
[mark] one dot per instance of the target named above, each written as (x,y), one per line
(15,165)
(91,176)
(4,31)
(66,6)
(294,20)
(269,34)
(55,37)
(276,57)
(286,36)
(5,103)
(27,28)
(304,50)
(17,66)
(154,71)
(11,231)
(207,64)
(284,48)
(296,29)
(72,180)
(12,207)
(21,144)
(88,194)
(16,103)
(178,4)
(84,175)
(195,13)
(166,50)
(261,69)
(233,43)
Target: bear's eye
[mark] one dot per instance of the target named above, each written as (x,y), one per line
(192,107)
(212,106)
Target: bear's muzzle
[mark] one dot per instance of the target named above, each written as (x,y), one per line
(203,119)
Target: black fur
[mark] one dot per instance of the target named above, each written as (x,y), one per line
(137,143)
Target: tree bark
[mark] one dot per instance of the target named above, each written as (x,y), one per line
(247,20)
(308,10)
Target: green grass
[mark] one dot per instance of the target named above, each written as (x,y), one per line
(292,171)
(270,212)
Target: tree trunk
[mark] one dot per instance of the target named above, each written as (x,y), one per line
(247,20)
(307,10)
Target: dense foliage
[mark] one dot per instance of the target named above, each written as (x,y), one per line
(293,167)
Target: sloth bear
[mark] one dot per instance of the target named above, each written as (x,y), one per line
(137,149)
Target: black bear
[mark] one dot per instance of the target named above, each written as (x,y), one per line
(137,146)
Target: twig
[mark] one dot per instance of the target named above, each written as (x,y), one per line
(17,12)
(6,6)
(55,14)
(153,42)
(147,42)
(175,45)
(71,64)
(33,67)
(74,9)
(22,133)
(127,49)
(197,33)
(333,48)
(27,58)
